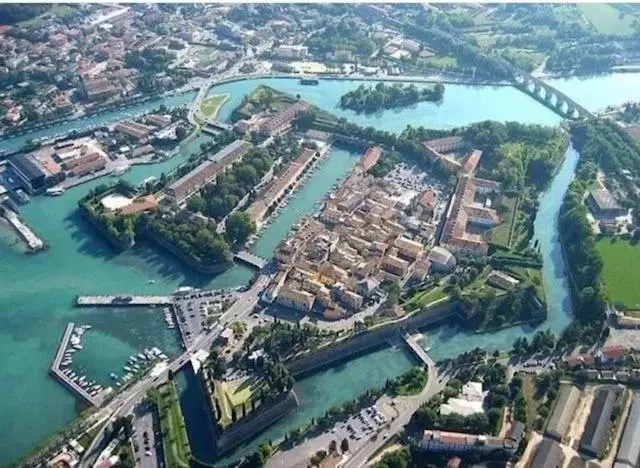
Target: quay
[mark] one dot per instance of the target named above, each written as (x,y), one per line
(69,384)
(123,300)
(250,259)
(27,235)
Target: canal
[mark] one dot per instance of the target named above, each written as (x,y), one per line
(36,300)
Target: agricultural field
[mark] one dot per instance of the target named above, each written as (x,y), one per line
(607,19)
(620,272)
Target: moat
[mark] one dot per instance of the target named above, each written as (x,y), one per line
(37,298)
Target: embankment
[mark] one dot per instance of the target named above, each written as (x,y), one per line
(369,341)
(257,421)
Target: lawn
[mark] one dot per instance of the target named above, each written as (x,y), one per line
(507,209)
(210,107)
(230,396)
(425,297)
(620,272)
(607,19)
(529,391)
(439,62)
(175,441)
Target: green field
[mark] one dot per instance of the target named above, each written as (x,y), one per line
(177,452)
(210,107)
(439,62)
(232,396)
(620,272)
(425,297)
(507,209)
(607,19)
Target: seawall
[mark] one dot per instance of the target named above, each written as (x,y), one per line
(257,421)
(368,341)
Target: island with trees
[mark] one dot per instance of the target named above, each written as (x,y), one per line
(374,98)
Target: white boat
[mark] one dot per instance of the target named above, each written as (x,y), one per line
(127,368)
(133,359)
(55,191)
(77,346)
(119,171)
(113,376)
(142,357)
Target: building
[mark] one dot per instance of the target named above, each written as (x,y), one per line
(629,451)
(456,442)
(394,265)
(158,120)
(139,205)
(548,455)
(351,300)
(408,248)
(295,298)
(603,204)
(436,148)
(501,280)
(292,51)
(516,431)
(194,180)
(133,129)
(466,211)
(596,432)
(274,192)
(563,412)
(441,260)
(281,121)
(370,158)
(469,401)
(28,171)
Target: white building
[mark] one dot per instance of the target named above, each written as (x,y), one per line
(292,51)
(470,401)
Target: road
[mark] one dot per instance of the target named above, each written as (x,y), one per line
(125,402)
(405,406)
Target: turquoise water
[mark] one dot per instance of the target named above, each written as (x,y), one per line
(36,299)
(597,92)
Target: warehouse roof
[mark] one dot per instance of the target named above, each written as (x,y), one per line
(548,454)
(563,411)
(629,450)
(596,431)
(25,164)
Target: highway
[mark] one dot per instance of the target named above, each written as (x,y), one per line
(125,402)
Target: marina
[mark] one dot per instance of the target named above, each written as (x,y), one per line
(89,392)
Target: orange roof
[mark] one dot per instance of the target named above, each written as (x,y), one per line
(370,158)
(140,205)
(472,161)
(613,352)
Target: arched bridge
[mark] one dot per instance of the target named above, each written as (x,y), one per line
(549,96)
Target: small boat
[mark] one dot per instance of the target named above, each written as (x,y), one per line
(127,368)
(142,357)
(77,346)
(163,356)
(133,359)
(118,384)
(152,282)
(113,376)
(119,171)
(55,191)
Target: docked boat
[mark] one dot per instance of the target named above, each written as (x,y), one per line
(142,357)
(55,191)
(119,171)
(133,359)
(113,376)
(127,368)
(77,346)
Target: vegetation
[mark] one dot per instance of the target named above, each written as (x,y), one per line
(239,228)
(381,96)
(345,35)
(262,98)
(607,19)
(12,13)
(210,107)
(149,59)
(175,441)
(620,274)
(410,383)
(283,340)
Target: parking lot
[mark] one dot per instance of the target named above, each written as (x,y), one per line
(368,424)
(147,439)
(196,311)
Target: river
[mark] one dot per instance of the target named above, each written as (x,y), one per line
(36,299)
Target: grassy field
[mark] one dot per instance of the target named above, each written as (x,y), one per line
(507,209)
(529,391)
(175,441)
(439,62)
(425,297)
(210,107)
(607,19)
(230,396)
(620,272)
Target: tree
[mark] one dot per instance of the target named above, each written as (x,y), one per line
(344,445)
(181,133)
(239,228)
(333,446)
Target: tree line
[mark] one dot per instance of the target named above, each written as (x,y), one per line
(381,96)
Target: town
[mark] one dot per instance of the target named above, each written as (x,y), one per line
(279,267)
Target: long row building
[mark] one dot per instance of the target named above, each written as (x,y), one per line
(190,183)
(276,191)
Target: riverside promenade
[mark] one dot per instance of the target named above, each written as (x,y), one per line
(123,300)
(64,379)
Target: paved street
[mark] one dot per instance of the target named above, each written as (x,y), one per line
(147,439)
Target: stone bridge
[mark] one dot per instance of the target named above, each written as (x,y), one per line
(549,96)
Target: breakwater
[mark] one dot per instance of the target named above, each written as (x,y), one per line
(368,341)
(123,301)
(33,242)
(257,421)
(64,379)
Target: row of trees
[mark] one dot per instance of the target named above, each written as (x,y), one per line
(381,96)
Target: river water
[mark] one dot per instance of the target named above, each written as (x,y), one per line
(37,293)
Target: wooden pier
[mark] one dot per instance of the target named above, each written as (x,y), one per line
(123,301)
(64,379)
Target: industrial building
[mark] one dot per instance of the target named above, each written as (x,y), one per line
(281,121)
(596,432)
(456,442)
(603,204)
(629,450)
(563,412)
(548,455)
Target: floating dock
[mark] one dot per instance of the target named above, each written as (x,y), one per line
(69,384)
(123,301)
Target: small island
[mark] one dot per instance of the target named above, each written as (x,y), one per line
(373,98)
